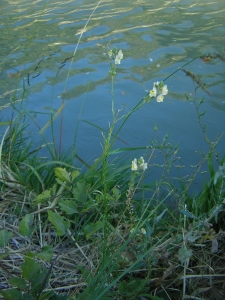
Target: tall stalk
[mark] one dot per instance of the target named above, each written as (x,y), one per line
(104,171)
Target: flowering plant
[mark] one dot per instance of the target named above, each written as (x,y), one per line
(158,91)
(139,164)
(116,56)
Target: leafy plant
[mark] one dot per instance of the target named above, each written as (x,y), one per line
(32,283)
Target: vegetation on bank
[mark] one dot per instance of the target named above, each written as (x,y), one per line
(107,232)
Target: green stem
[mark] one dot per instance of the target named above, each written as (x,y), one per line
(141,102)
(180,68)
(106,150)
(113,108)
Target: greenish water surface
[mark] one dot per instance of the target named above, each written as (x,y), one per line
(50,49)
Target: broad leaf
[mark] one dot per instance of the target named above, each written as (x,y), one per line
(43,197)
(40,281)
(5,236)
(75,174)
(62,175)
(20,283)
(30,268)
(25,225)
(69,206)
(50,295)
(12,294)
(92,228)
(46,253)
(58,297)
(128,289)
(58,223)
(47,295)
(81,191)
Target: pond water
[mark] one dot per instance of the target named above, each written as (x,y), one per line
(56,51)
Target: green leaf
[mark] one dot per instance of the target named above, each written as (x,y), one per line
(62,175)
(120,150)
(184,254)
(86,274)
(92,228)
(153,297)
(81,191)
(5,236)
(43,197)
(147,296)
(40,281)
(187,214)
(130,288)
(116,193)
(210,165)
(58,223)
(20,283)
(25,225)
(34,273)
(46,253)
(75,174)
(12,294)
(30,268)
(105,298)
(59,297)
(160,216)
(219,174)
(202,113)
(69,206)
(46,295)
(5,123)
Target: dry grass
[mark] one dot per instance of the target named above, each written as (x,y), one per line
(168,273)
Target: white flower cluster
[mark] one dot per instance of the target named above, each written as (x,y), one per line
(117,56)
(159,90)
(139,164)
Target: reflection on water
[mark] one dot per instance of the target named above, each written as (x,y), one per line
(38,42)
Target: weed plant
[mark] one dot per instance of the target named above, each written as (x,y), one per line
(106,232)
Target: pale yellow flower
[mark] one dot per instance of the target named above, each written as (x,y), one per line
(118,57)
(153,92)
(164,90)
(156,83)
(139,164)
(117,60)
(120,54)
(134,165)
(160,98)
(158,91)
